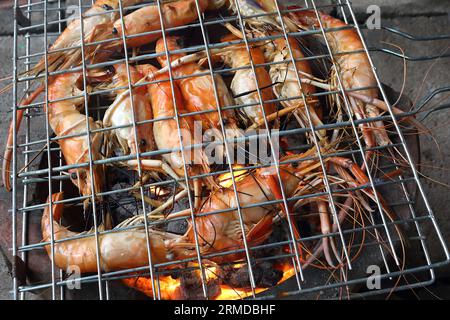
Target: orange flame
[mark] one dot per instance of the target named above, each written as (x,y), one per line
(225,178)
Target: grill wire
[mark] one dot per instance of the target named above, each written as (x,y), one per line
(53,173)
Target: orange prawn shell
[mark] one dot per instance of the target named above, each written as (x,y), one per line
(165,105)
(355,67)
(147,19)
(197,91)
(239,57)
(142,109)
(65,119)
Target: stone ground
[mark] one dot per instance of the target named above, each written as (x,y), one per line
(418,17)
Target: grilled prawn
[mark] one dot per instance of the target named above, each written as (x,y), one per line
(97,24)
(165,106)
(247,86)
(145,22)
(286,85)
(117,250)
(102,22)
(121,114)
(65,94)
(353,69)
(217,232)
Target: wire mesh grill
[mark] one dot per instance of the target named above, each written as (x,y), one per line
(37,25)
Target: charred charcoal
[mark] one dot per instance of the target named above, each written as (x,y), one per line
(269,277)
(179,226)
(181,204)
(278,235)
(191,286)
(236,277)
(264,273)
(305,227)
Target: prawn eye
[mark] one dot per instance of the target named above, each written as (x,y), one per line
(73,176)
(114,31)
(142,143)
(110,69)
(294,164)
(107,7)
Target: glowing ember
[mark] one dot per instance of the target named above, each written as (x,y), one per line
(170,287)
(225,178)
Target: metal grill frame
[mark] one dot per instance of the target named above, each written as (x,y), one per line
(27,177)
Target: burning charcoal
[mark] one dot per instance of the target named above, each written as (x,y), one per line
(264,274)
(237,277)
(191,286)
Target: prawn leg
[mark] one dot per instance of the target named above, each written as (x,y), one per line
(161,166)
(325,228)
(157,165)
(274,186)
(320,248)
(360,179)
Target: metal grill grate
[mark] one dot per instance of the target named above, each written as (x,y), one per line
(38,26)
